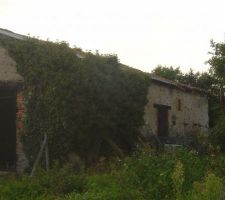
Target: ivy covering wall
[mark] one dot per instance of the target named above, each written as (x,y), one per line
(90,107)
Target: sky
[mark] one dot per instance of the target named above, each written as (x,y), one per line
(143,33)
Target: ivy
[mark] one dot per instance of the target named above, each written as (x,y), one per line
(81,104)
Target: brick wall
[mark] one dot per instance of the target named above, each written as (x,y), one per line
(20,114)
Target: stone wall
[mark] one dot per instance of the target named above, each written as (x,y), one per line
(21,158)
(191,117)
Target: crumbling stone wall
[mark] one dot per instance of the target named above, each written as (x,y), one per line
(192,116)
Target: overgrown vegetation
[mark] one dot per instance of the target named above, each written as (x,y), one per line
(147,174)
(91,107)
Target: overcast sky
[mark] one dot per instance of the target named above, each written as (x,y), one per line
(143,33)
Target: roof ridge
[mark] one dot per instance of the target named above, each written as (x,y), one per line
(176,84)
(12,34)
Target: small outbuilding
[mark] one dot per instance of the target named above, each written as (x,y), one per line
(174,110)
(12,157)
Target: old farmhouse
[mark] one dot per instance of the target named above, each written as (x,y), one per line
(174,109)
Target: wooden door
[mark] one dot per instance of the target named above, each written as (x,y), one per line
(162,122)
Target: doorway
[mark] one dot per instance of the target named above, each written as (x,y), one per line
(7,131)
(162,120)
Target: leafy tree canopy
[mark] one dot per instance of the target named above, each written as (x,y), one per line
(217,61)
(171,73)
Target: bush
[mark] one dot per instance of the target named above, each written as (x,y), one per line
(149,173)
(217,134)
(22,189)
(76,102)
(60,181)
(107,187)
(211,189)
(164,175)
(146,174)
(45,185)
(178,179)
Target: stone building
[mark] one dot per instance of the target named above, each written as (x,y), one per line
(12,157)
(174,109)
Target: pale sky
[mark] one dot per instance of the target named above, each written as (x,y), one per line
(143,33)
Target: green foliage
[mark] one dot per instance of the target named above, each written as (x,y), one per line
(61,180)
(106,195)
(215,111)
(146,174)
(204,80)
(56,182)
(217,61)
(107,187)
(21,189)
(152,175)
(178,179)
(211,189)
(149,173)
(168,72)
(90,107)
(217,135)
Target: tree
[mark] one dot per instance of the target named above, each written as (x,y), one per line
(217,69)
(190,78)
(217,62)
(168,72)
(202,80)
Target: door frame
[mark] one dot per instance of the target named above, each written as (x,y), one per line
(164,108)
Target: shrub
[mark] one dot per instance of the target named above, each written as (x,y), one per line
(22,189)
(146,174)
(60,181)
(178,179)
(76,102)
(107,187)
(211,189)
(217,134)
(45,185)
(150,173)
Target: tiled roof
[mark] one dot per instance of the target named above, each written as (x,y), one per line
(176,84)
(12,34)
